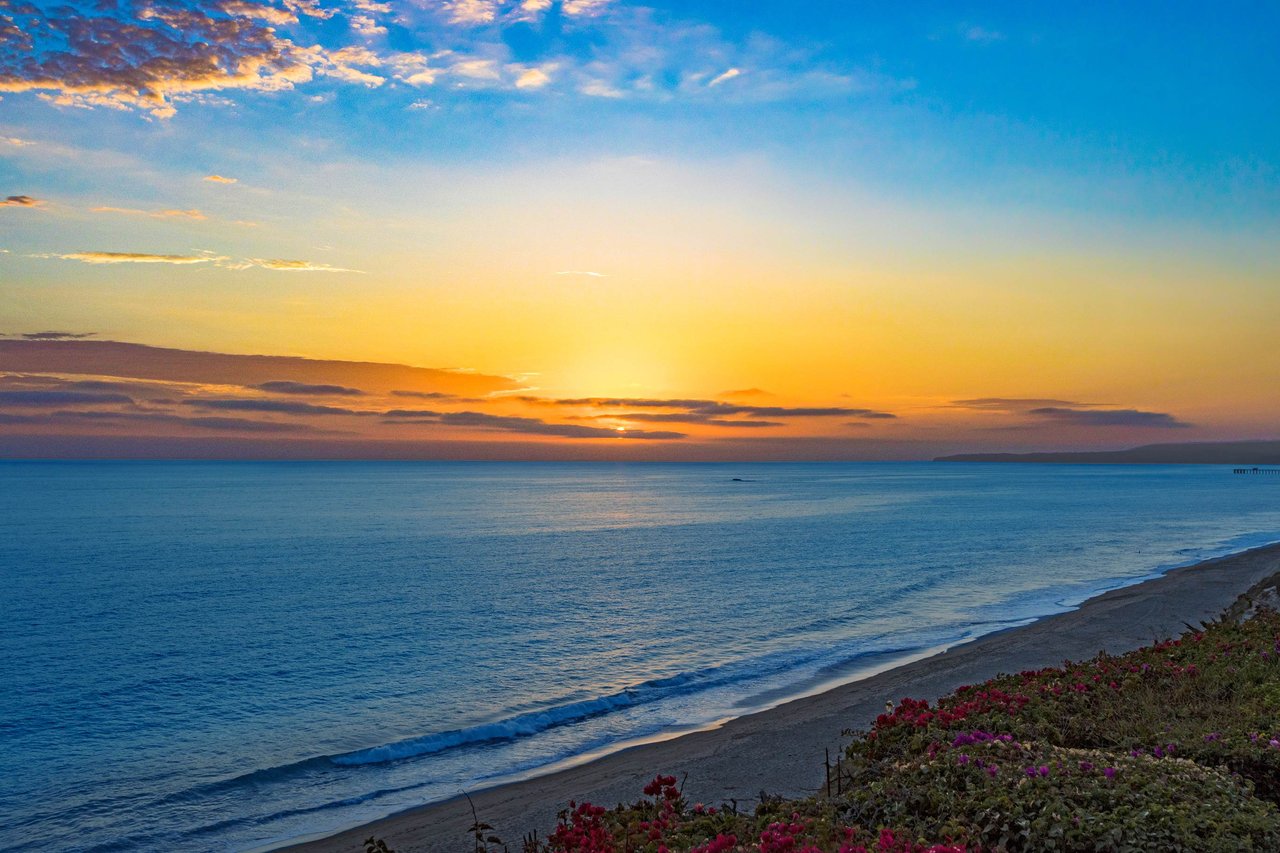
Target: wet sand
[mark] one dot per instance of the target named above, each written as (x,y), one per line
(781,750)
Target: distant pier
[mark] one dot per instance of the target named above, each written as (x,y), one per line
(1255,470)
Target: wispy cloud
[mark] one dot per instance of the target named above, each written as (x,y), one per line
(588,273)
(283,407)
(15,141)
(21,201)
(221,179)
(61,398)
(282,265)
(601,89)
(1014,404)
(135,420)
(221,261)
(528,426)
(435,395)
(154,214)
(284,386)
(54,336)
(135,258)
(582,8)
(979,34)
(725,77)
(1109,417)
(1069,412)
(686,418)
(717,408)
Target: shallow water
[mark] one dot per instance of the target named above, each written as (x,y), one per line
(213,656)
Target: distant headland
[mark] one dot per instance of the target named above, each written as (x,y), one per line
(1203,453)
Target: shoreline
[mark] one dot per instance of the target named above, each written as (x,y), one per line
(780,750)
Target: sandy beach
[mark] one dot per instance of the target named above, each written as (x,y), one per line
(781,750)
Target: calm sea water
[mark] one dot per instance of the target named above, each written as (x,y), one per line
(214,656)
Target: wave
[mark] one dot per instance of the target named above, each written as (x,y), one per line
(804,663)
(536,722)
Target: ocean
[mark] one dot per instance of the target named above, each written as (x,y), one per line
(214,656)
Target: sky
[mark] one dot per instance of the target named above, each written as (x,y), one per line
(608,229)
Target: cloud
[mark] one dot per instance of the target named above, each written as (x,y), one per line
(588,273)
(56,336)
(534,78)
(433,395)
(686,418)
(219,179)
(1069,412)
(1014,404)
(154,214)
(725,77)
(1109,417)
(285,386)
(471,11)
(144,55)
(156,55)
(981,35)
(582,8)
(215,424)
(61,398)
(714,407)
(529,426)
(21,201)
(241,424)
(291,266)
(211,369)
(600,89)
(282,407)
(135,258)
(221,261)
(42,382)
(15,141)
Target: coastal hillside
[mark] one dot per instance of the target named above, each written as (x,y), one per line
(1172,747)
(1193,453)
